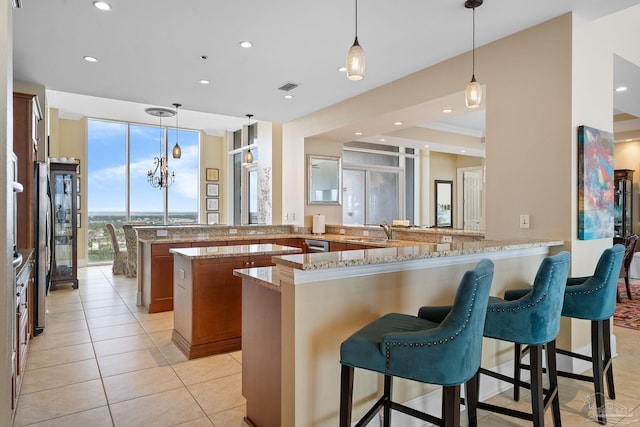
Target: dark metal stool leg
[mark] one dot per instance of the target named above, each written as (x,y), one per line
(388,389)
(451,406)
(346,393)
(608,365)
(471,399)
(596,359)
(537,394)
(553,383)
(517,371)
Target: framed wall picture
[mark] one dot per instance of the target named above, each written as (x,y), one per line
(78,220)
(213,190)
(78,185)
(213,204)
(213,218)
(78,201)
(213,174)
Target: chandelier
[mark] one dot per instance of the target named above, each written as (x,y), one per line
(159,176)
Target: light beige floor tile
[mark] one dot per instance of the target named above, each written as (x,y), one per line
(64,308)
(53,328)
(207,368)
(131,361)
(98,417)
(57,376)
(58,356)
(116,331)
(117,319)
(200,422)
(64,317)
(237,355)
(157,325)
(105,294)
(170,351)
(46,341)
(146,316)
(163,409)
(219,394)
(233,417)
(113,301)
(106,311)
(122,345)
(47,404)
(136,384)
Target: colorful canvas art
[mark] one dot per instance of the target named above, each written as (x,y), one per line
(595,183)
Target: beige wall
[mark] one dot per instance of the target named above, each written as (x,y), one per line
(213,154)
(333,214)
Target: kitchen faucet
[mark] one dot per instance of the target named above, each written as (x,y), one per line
(387,229)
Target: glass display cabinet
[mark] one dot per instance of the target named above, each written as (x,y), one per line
(63,182)
(623,203)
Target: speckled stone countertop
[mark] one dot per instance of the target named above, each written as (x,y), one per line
(265,276)
(234,251)
(326,260)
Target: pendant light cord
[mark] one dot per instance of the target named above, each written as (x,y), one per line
(473,52)
(356,19)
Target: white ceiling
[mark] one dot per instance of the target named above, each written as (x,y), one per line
(149,52)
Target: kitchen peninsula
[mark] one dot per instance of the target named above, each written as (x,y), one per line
(208,297)
(155,261)
(308,304)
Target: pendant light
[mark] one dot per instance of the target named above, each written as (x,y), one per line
(177,151)
(249,154)
(355,57)
(473,94)
(159,176)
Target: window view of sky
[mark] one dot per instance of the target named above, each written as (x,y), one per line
(107,167)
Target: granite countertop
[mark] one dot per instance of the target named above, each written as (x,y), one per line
(265,276)
(233,251)
(326,260)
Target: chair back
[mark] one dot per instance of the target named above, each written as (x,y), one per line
(629,251)
(449,354)
(595,297)
(533,319)
(114,239)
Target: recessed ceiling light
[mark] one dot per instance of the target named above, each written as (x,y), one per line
(358,133)
(463,151)
(448,110)
(426,146)
(382,140)
(102,5)
(205,81)
(628,140)
(342,69)
(398,123)
(288,97)
(246,44)
(621,88)
(90,59)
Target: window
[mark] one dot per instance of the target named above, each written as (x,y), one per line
(378,183)
(119,156)
(245,175)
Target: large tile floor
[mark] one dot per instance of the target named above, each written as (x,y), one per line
(103,361)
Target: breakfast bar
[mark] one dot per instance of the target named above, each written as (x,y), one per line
(308,304)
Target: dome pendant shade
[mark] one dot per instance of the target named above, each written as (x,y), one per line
(473,94)
(355,62)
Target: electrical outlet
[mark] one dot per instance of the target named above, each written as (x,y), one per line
(524,221)
(293,216)
(446,239)
(162,233)
(365,233)
(286,217)
(342,231)
(233,231)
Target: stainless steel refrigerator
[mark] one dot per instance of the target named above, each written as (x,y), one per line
(43,252)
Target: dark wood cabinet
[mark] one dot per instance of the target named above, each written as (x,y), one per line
(22,332)
(64,265)
(26,115)
(160,296)
(623,203)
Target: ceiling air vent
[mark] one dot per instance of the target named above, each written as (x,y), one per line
(288,86)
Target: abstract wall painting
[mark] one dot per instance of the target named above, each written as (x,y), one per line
(595,183)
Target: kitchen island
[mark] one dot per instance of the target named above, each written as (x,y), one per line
(208,298)
(308,304)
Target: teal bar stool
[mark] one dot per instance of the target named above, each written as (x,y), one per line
(591,298)
(532,320)
(442,345)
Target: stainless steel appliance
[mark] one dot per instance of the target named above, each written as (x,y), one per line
(312,245)
(43,219)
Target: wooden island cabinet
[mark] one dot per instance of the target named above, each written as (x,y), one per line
(207,297)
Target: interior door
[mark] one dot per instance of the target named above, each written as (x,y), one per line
(472,189)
